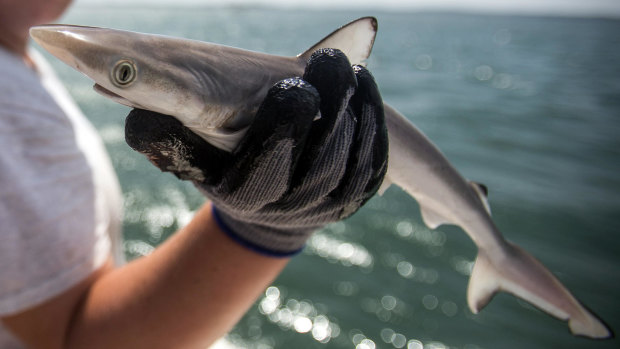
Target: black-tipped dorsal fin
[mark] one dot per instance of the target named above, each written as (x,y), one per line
(483,192)
(354,39)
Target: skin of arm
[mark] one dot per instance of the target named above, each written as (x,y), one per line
(187,294)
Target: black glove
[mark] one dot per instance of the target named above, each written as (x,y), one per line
(292,173)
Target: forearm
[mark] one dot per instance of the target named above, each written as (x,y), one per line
(186,294)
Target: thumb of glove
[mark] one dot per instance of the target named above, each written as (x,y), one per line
(172,147)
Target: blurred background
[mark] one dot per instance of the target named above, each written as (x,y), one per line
(523,96)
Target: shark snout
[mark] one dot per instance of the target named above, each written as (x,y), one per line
(58,41)
(75,45)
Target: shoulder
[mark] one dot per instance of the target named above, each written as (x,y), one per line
(36,137)
(25,105)
(47,196)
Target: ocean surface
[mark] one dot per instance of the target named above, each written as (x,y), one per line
(530,106)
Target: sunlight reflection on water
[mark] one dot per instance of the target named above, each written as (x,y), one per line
(301,316)
(336,250)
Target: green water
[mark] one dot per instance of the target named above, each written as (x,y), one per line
(529,106)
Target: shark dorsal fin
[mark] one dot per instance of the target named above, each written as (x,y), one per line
(354,39)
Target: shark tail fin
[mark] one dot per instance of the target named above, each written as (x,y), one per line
(355,39)
(519,273)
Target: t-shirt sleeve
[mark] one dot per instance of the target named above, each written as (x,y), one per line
(49,236)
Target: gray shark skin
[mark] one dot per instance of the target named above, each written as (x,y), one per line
(215,90)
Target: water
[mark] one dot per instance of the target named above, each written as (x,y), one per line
(529,106)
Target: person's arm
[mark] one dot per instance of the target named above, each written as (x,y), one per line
(188,293)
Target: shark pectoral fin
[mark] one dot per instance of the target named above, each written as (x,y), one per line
(483,284)
(387,182)
(525,277)
(431,218)
(482,191)
(354,39)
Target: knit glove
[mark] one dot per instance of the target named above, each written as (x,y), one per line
(315,153)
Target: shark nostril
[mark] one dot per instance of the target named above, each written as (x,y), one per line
(123,73)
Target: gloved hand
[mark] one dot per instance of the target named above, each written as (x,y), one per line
(292,173)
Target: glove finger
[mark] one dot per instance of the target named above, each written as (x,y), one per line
(367,161)
(172,147)
(270,150)
(368,105)
(330,72)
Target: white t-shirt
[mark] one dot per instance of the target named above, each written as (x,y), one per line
(60,202)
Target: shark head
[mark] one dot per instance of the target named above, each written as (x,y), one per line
(141,70)
(214,90)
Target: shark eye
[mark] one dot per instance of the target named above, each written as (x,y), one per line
(123,73)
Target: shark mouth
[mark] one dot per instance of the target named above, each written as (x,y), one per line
(115,97)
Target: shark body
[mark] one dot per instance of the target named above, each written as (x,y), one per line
(215,90)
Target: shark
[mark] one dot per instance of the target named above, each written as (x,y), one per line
(215,90)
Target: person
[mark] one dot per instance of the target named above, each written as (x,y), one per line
(60,202)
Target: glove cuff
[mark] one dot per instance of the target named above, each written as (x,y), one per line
(264,240)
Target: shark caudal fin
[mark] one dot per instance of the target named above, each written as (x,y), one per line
(355,39)
(519,273)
